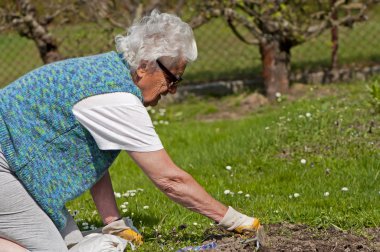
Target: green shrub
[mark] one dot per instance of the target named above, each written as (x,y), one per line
(374,91)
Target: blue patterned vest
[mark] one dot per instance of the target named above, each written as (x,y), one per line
(50,152)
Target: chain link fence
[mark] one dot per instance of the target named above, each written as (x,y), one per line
(222,56)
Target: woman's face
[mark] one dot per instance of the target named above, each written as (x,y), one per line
(154,84)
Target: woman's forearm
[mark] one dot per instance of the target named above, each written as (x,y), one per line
(177,184)
(186,191)
(104,198)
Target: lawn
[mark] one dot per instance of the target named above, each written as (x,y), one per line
(314,161)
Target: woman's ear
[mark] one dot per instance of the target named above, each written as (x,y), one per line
(142,70)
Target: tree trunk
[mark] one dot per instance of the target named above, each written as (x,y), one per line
(46,44)
(29,26)
(275,58)
(334,40)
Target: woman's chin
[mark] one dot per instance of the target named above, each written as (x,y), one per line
(152,103)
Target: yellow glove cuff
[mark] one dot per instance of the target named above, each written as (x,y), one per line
(247,228)
(130,235)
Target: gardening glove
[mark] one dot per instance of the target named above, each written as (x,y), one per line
(124,228)
(242,224)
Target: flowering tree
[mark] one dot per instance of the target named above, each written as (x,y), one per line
(277,26)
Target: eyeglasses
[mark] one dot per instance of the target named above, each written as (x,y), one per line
(173,80)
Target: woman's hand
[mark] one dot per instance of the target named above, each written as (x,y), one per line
(104,198)
(125,229)
(177,184)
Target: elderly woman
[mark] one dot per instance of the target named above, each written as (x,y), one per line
(62,125)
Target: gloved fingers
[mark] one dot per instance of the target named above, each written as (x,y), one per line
(249,228)
(130,235)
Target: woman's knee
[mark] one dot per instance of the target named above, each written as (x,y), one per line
(9,246)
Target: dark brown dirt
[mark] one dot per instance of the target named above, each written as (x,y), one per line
(244,104)
(292,237)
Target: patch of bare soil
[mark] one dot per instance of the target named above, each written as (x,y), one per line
(244,104)
(296,237)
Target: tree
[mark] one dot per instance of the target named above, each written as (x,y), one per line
(277,26)
(22,16)
(122,13)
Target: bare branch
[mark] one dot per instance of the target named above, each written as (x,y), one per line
(204,17)
(114,22)
(330,21)
(241,37)
(50,18)
(151,6)
(179,6)
(230,14)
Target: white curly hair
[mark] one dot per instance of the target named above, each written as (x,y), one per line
(157,35)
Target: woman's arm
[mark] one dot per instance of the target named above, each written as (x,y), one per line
(104,198)
(177,184)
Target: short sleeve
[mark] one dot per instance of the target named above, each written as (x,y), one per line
(118,121)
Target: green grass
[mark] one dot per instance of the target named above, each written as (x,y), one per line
(335,137)
(221,55)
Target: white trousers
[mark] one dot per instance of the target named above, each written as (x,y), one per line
(21,219)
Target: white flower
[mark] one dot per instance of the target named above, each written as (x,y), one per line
(179,113)
(84,224)
(228,168)
(240,192)
(140,189)
(326,194)
(276,211)
(227,191)
(290,196)
(155,122)
(278,94)
(92,227)
(123,206)
(344,189)
(308,114)
(195,224)
(303,161)
(117,194)
(247,195)
(301,116)
(296,195)
(267,128)
(145,207)
(124,210)
(166,122)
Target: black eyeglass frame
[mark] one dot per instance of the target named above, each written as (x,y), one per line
(173,80)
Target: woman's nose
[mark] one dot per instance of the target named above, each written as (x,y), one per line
(173,90)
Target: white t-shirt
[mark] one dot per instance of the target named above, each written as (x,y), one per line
(118,121)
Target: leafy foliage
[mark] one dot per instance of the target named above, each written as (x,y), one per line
(374,91)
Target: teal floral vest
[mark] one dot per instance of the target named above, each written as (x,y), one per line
(49,151)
